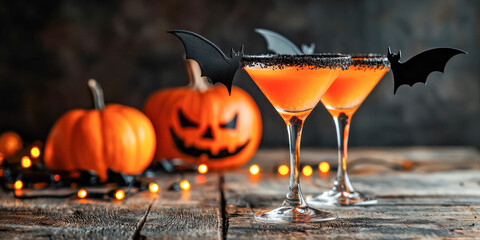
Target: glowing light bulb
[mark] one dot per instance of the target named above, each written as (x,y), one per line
(407,165)
(254,169)
(56,177)
(203,168)
(35,152)
(18,193)
(18,185)
(82,193)
(153,188)
(324,167)
(120,194)
(307,171)
(184,184)
(283,170)
(26,162)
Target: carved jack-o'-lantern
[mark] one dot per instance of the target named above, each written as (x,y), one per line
(203,124)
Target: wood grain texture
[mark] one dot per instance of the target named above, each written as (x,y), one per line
(68,219)
(380,159)
(194,214)
(430,205)
(380,222)
(437,197)
(190,214)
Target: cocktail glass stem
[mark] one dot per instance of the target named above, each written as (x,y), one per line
(294,209)
(342,192)
(342,182)
(294,196)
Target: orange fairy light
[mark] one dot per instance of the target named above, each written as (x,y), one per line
(283,170)
(407,165)
(200,179)
(18,193)
(203,168)
(18,185)
(56,177)
(254,169)
(35,152)
(307,171)
(119,194)
(153,188)
(184,184)
(324,167)
(82,193)
(26,162)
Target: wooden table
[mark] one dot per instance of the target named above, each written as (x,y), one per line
(423,193)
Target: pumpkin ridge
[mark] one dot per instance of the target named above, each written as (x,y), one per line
(162,135)
(155,102)
(70,140)
(137,122)
(122,147)
(104,147)
(57,154)
(87,135)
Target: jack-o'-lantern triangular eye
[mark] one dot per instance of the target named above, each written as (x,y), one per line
(184,121)
(232,124)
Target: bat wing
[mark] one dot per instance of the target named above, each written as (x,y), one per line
(421,65)
(308,49)
(278,43)
(213,62)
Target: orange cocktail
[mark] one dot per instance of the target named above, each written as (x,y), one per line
(351,88)
(342,99)
(294,84)
(293,90)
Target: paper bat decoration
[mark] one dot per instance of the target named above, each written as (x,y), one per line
(417,68)
(213,62)
(281,45)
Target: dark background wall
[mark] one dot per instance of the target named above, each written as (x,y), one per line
(48,50)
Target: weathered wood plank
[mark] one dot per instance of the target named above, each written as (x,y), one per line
(68,218)
(194,214)
(417,205)
(380,159)
(401,184)
(453,183)
(379,222)
(439,196)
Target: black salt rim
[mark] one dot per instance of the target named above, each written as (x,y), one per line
(313,61)
(369,61)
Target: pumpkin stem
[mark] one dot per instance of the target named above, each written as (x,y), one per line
(97,92)
(194,74)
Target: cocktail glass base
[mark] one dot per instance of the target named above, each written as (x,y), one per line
(337,198)
(290,214)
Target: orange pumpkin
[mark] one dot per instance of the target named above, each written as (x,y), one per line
(201,123)
(117,137)
(10,144)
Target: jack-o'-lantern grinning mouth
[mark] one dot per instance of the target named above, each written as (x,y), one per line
(197,152)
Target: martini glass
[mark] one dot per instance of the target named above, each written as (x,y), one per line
(294,84)
(342,99)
